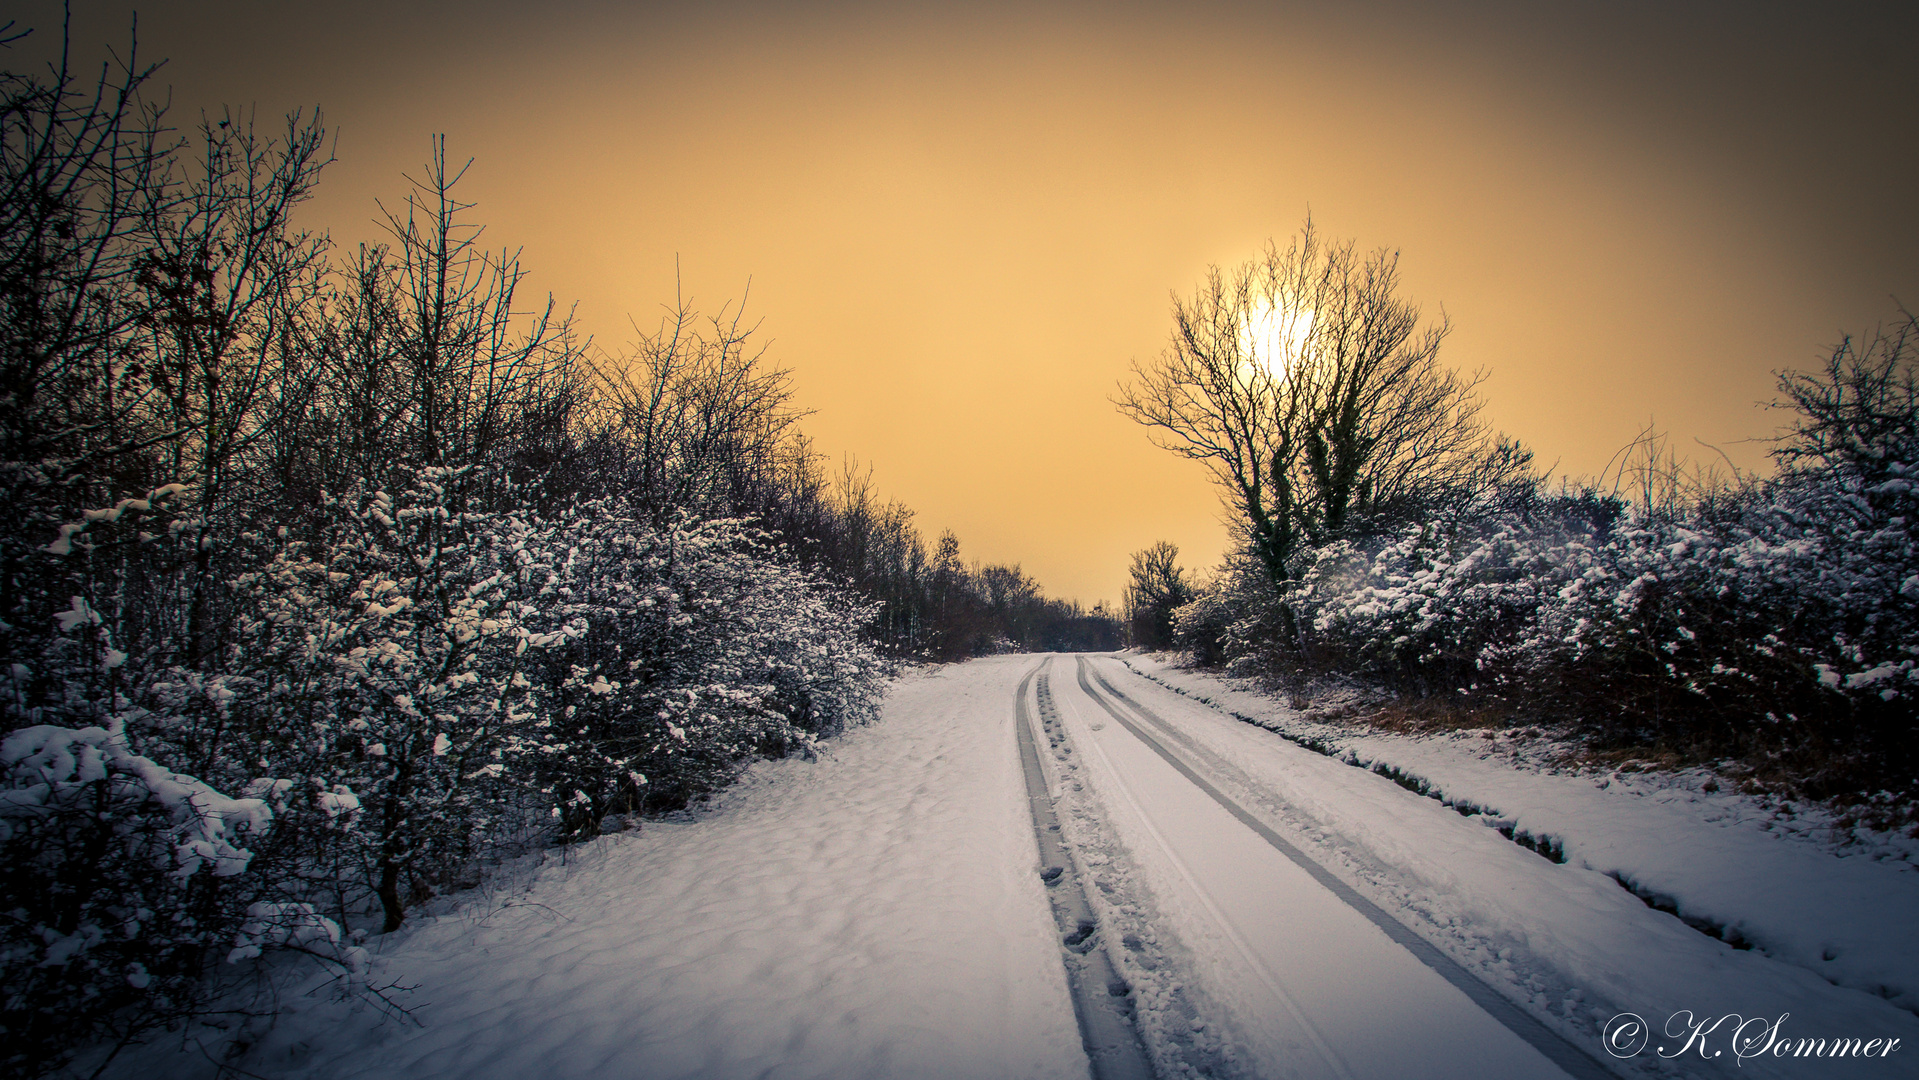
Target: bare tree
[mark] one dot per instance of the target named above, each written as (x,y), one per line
(228,289)
(1858,414)
(477,373)
(346,424)
(1658,483)
(1314,394)
(696,418)
(1158,586)
(424,356)
(79,158)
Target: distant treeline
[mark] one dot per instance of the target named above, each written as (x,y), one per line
(1769,624)
(931,603)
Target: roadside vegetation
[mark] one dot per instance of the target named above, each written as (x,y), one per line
(1765,625)
(331,577)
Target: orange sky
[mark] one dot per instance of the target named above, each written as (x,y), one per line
(963,222)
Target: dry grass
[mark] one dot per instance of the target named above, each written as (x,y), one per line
(1632,759)
(1419,716)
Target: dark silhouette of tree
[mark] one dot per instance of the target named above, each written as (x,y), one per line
(694,417)
(1158,586)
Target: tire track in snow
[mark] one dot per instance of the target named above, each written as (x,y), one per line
(1101,1001)
(1547,1042)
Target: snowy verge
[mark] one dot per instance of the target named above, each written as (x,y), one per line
(1718,859)
(1562,940)
(876,913)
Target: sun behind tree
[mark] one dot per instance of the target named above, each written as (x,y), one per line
(1313,392)
(1274,337)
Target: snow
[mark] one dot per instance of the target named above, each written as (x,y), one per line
(64,544)
(46,766)
(874,913)
(1713,856)
(300,927)
(80,613)
(1313,988)
(1567,940)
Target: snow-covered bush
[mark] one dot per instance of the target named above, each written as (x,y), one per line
(677,654)
(1849,482)
(1680,635)
(1427,611)
(375,669)
(122,879)
(297,926)
(1780,623)
(90,595)
(416,676)
(1200,624)
(1238,618)
(398,679)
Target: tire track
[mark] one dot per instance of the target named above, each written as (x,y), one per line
(1161,738)
(1102,1002)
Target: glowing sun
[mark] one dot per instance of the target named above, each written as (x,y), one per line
(1273,338)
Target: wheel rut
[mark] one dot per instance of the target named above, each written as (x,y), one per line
(1164,740)
(1102,1000)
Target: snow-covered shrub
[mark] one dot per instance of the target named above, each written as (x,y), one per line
(1784,620)
(89,596)
(1642,630)
(1426,611)
(677,654)
(1199,625)
(122,879)
(1686,636)
(417,675)
(1238,618)
(374,679)
(1849,481)
(1780,621)
(297,926)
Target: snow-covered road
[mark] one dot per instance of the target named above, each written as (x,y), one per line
(1317,988)
(1562,941)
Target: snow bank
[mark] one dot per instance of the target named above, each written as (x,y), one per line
(1846,916)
